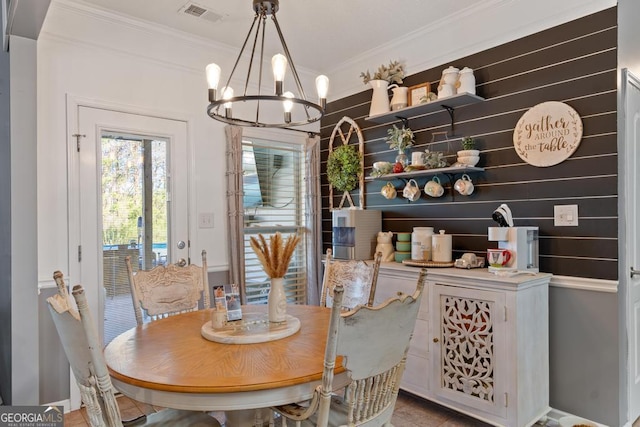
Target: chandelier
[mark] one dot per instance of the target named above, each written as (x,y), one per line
(296,109)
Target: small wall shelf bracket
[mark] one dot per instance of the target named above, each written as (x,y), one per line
(451,112)
(404,120)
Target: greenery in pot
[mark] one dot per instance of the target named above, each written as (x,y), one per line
(392,73)
(343,168)
(468,143)
(400,138)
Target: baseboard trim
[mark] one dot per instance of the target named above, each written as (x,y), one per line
(585,284)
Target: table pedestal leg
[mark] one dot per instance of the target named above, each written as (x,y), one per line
(249,418)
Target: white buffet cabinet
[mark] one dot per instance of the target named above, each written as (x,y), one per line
(481,341)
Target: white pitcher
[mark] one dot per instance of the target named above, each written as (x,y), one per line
(399,98)
(380,97)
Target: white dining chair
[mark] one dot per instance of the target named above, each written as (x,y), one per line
(165,291)
(357,278)
(84,352)
(373,344)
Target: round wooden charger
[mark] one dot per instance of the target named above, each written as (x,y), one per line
(420,263)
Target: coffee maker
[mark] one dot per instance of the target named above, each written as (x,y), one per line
(521,242)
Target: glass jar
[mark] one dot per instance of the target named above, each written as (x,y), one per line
(402,159)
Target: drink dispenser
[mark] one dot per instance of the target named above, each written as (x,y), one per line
(355,233)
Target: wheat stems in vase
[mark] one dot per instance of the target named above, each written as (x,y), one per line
(276,254)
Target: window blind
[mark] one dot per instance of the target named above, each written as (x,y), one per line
(273,200)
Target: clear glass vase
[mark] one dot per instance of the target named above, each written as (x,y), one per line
(402,159)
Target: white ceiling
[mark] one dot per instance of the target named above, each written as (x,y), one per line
(319,33)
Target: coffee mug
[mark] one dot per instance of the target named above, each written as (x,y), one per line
(498,257)
(417,158)
(464,185)
(433,188)
(411,191)
(389,191)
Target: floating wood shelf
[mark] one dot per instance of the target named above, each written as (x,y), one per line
(450,104)
(451,170)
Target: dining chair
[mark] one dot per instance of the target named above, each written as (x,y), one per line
(165,291)
(358,279)
(373,344)
(81,345)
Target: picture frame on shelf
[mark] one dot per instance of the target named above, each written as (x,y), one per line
(418,92)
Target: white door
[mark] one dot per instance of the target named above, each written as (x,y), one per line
(631,104)
(133,174)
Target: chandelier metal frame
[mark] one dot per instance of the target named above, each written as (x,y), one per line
(221,108)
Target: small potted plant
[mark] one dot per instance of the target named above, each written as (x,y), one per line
(400,139)
(392,73)
(379,82)
(468,155)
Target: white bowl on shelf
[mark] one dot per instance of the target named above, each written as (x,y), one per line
(468,160)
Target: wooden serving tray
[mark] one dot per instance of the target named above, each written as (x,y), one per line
(421,263)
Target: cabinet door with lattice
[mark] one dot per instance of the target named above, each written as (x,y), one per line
(469,353)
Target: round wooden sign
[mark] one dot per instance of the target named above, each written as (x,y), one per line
(547,134)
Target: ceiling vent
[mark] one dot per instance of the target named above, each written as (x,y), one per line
(199,11)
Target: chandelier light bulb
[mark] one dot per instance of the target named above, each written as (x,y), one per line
(227,93)
(279,66)
(288,106)
(322,86)
(213,78)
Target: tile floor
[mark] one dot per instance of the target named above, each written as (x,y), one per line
(410,411)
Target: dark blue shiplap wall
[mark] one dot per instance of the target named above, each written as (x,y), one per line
(574,63)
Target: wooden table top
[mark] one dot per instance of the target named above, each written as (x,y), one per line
(171,355)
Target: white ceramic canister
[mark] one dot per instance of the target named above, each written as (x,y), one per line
(421,243)
(467,81)
(441,247)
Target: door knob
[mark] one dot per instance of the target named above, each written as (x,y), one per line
(436,340)
(181,244)
(181,262)
(634,272)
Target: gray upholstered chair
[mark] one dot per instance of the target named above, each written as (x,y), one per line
(82,347)
(373,343)
(165,291)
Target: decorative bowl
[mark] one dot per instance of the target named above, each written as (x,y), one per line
(403,246)
(382,167)
(469,160)
(404,237)
(401,256)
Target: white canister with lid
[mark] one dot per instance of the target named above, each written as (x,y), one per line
(441,247)
(421,243)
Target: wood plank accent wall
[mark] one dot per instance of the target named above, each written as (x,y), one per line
(574,63)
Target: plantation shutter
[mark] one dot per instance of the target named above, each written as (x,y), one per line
(273,199)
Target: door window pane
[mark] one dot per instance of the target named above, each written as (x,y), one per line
(134,219)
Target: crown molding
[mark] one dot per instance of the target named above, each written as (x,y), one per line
(466,39)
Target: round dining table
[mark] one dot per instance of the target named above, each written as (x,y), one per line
(169,363)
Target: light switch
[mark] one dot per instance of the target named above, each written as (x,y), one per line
(565,215)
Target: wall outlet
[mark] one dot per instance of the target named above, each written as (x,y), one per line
(205,220)
(565,215)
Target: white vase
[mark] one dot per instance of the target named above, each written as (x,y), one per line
(277,300)
(399,98)
(379,98)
